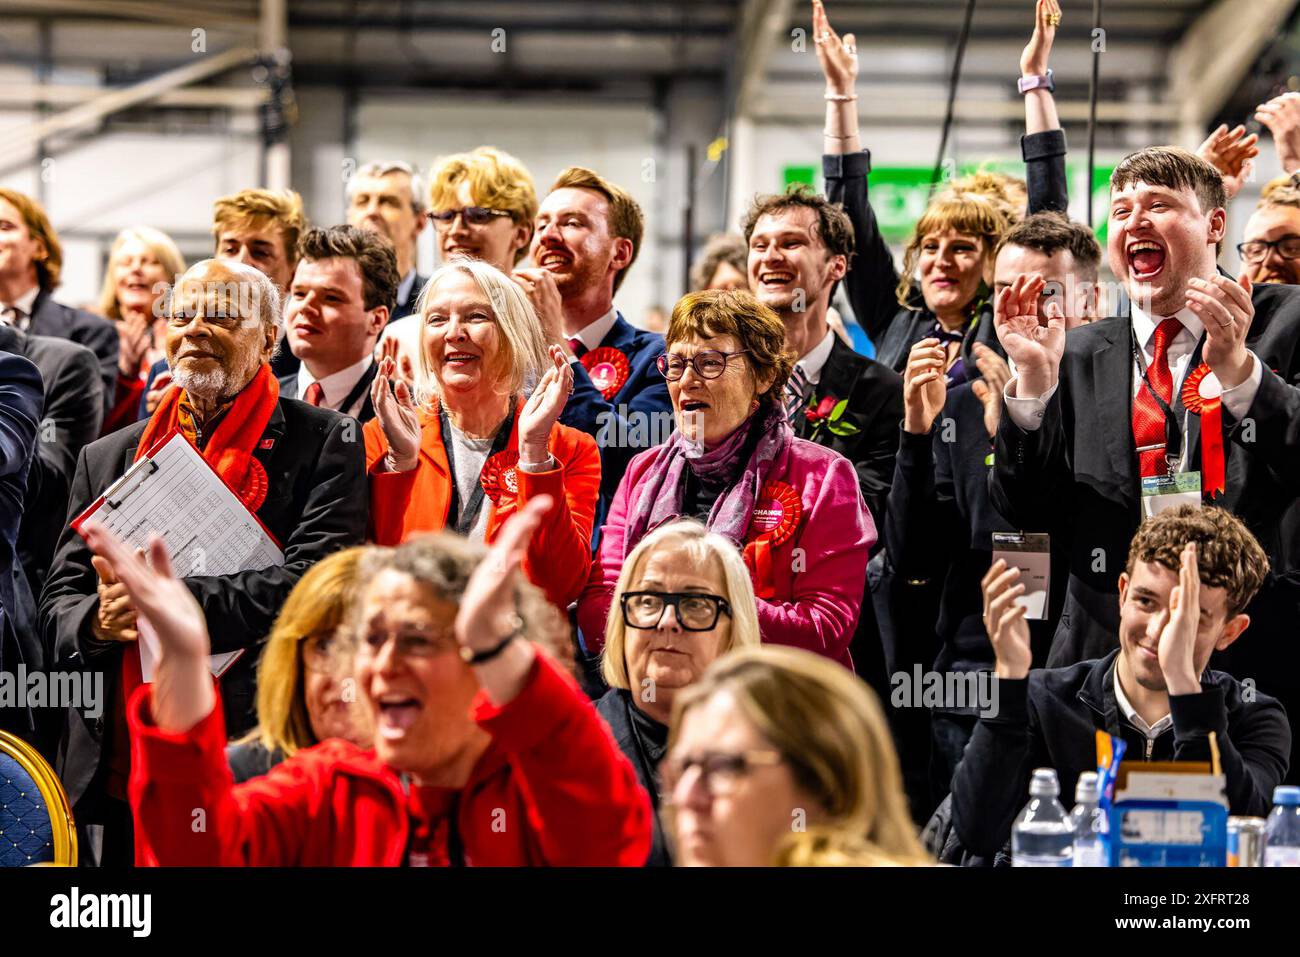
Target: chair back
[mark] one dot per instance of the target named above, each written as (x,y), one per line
(36,825)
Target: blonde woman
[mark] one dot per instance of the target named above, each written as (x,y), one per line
(467,450)
(682,599)
(304,695)
(142,265)
(780,757)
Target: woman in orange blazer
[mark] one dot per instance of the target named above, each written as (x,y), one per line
(467,450)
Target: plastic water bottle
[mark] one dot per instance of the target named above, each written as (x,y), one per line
(1089,823)
(1042,835)
(1282,832)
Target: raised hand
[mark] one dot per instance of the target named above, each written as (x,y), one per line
(995,374)
(1038,51)
(1282,117)
(1231,152)
(1177,649)
(540,288)
(403,371)
(1226,309)
(182,694)
(161,383)
(398,416)
(1035,345)
(925,386)
(543,408)
(837,55)
(1004,620)
(134,340)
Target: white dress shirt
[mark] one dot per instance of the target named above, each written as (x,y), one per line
(1027,413)
(815,360)
(24,305)
(593,333)
(1150,731)
(337,385)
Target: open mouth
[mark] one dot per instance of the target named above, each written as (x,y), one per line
(397,714)
(469,252)
(1146,259)
(693,405)
(942,282)
(775,278)
(459,358)
(554,260)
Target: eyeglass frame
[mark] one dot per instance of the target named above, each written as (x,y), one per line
(674,598)
(442,220)
(672,771)
(442,640)
(661,363)
(1275,244)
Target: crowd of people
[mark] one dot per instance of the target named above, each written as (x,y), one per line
(560,590)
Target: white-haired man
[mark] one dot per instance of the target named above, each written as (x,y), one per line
(388,198)
(299,468)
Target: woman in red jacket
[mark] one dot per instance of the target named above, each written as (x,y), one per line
(467,450)
(485,753)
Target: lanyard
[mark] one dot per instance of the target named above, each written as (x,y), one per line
(1173,431)
(469,515)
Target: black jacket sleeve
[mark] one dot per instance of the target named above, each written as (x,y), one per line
(1031,473)
(921,513)
(872,279)
(990,783)
(1254,761)
(1044,156)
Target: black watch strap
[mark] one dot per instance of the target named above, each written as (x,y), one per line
(471,657)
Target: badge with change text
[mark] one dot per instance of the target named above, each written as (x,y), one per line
(1160,492)
(1031,552)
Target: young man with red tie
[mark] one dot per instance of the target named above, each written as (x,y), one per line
(1193,396)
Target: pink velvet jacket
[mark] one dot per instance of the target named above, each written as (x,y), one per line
(810,583)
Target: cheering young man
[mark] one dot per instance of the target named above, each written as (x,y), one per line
(300,470)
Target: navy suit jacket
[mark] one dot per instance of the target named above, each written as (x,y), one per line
(21,406)
(99,335)
(638,417)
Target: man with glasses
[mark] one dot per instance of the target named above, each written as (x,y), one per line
(1271,250)
(299,469)
(588,233)
(387,198)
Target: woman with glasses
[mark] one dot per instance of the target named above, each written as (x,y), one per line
(1271,251)
(485,753)
(778,757)
(790,505)
(302,677)
(468,449)
(683,598)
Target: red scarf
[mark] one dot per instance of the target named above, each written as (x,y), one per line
(230,453)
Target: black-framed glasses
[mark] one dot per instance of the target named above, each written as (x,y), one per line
(695,611)
(1255,251)
(708,364)
(473,215)
(720,771)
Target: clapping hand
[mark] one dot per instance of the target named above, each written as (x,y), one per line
(995,374)
(1005,620)
(543,408)
(925,386)
(391,348)
(1231,152)
(182,693)
(398,416)
(1034,346)
(1282,117)
(1177,648)
(1226,309)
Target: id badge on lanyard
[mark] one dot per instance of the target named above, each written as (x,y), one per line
(1176,487)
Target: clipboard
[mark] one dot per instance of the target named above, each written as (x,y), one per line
(173,492)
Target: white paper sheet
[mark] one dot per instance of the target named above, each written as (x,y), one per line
(206,528)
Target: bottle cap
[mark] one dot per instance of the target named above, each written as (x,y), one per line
(1285,795)
(1044,783)
(1087,788)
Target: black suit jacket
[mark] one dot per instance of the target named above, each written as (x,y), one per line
(403,309)
(74,411)
(1077,475)
(20,416)
(99,335)
(317,504)
(289,388)
(875,396)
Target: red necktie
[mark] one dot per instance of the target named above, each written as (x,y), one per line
(576,346)
(1148,417)
(315,395)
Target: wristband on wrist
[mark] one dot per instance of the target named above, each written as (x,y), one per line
(472,657)
(544,465)
(840,97)
(1046,82)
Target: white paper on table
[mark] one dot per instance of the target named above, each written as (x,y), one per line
(175,494)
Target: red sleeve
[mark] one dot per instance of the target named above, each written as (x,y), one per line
(559,556)
(584,802)
(188,812)
(390,492)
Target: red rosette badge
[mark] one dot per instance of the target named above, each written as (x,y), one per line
(1201,396)
(499,478)
(253,483)
(608,369)
(775,517)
